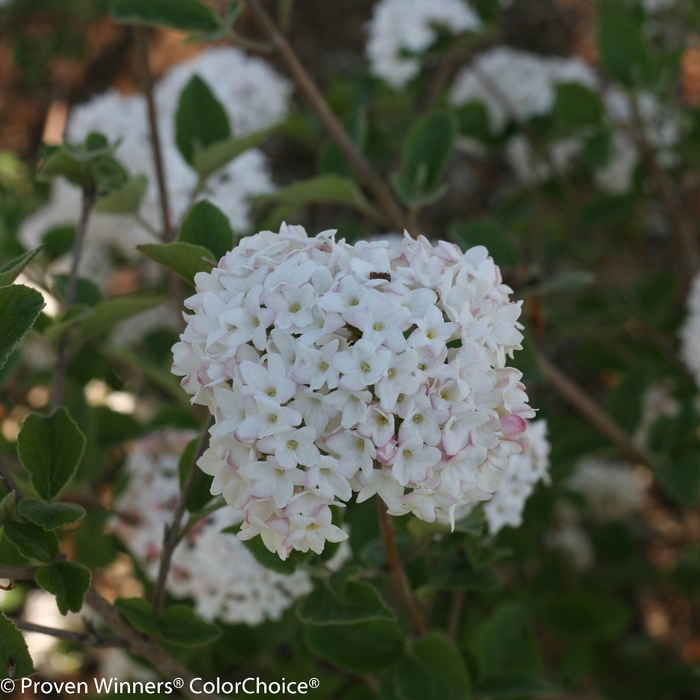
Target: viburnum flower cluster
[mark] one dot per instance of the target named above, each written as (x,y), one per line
(333,368)
(254,97)
(516,86)
(524,471)
(690,332)
(401,30)
(612,490)
(214,569)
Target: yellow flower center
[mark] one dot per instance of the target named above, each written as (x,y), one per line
(366,367)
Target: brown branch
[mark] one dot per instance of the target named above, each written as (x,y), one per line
(61,369)
(172,534)
(573,394)
(393,563)
(681,226)
(308,88)
(141,40)
(96,641)
(19,573)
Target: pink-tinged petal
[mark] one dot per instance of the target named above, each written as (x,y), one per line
(513,425)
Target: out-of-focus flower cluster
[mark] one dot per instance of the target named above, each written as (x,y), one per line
(401,30)
(214,569)
(333,368)
(524,471)
(690,332)
(253,96)
(514,86)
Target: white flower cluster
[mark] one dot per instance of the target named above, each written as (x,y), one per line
(612,490)
(515,85)
(690,332)
(253,96)
(524,471)
(333,368)
(214,569)
(657,402)
(401,30)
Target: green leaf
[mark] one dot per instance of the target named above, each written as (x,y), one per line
(680,476)
(332,158)
(20,307)
(33,541)
(68,581)
(427,151)
(365,647)
(183,259)
(10,271)
(180,626)
(513,685)
(59,240)
(186,15)
(339,600)
(87,293)
(473,121)
(15,661)
(200,120)
(506,643)
(75,315)
(8,507)
(433,670)
(576,106)
(209,159)
(50,516)
(162,378)
(126,200)
(50,449)
(623,49)
(489,233)
(201,493)
(565,282)
(208,227)
(108,313)
(139,613)
(324,189)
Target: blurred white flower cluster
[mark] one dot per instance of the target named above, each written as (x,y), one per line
(333,368)
(524,471)
(612,490)
(690,332)
(214,569)
(253,96)
(515,86)
(401,30)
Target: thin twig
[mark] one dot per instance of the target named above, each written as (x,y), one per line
(10,483)
(138,643)
(591,411)
(96,641)
(172,534)
(393,563)
(308,88)
(680,224)
(141,39)
(61,369)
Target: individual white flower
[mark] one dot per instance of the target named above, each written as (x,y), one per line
(612,490)
(213,568)
(657,402)
(533,168)
(345,403)
(401,27)
(690,332)
(516,85)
